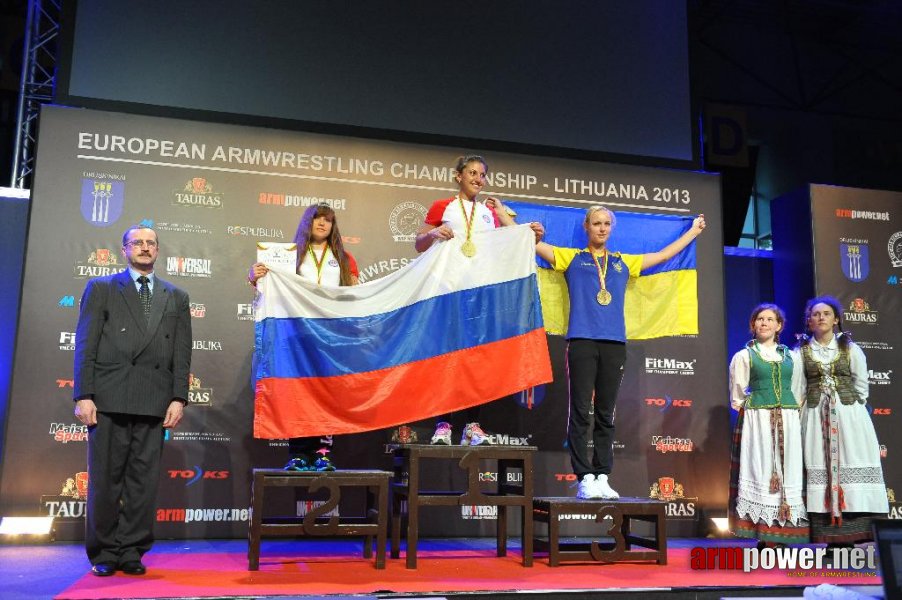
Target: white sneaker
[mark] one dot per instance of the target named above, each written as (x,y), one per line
(603,490)
(586,489)
(442,434)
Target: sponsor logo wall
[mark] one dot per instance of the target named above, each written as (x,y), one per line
(866,226)
(213,191)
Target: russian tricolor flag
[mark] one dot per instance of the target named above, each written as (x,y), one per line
(444,333)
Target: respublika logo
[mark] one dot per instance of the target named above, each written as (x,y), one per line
(277,199)
(669,366)
(213,345)
(197,192)
(854,259)
(101,199)
(790,559)
(192,476)
(405,219)
(181,266)
(666,403)
(860,312)
(257,232)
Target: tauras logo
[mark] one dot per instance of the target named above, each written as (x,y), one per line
(669,366)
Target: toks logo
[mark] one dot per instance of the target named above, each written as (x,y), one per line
(192,476)
(666,403)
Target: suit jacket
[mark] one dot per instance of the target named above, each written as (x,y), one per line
(126,363)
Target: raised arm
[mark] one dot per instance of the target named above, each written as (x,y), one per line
(670,250)
(546,251)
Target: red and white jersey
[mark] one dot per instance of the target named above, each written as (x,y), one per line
(448,212)
(329,272)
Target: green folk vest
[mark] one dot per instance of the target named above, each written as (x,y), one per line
(770,383)
(833,375)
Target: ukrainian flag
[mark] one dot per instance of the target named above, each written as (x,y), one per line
(662,302)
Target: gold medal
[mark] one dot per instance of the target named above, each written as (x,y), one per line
(603,297)
(468,248)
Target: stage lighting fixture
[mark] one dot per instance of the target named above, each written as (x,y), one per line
(25,529)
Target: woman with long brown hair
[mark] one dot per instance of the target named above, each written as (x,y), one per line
(321,259)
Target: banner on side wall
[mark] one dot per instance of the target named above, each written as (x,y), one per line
(858,259)
(212,192)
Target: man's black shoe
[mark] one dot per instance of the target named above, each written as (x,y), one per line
(104,569)
(133,567)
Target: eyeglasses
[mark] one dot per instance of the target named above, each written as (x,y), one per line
(141,243)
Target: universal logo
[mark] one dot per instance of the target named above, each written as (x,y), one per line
(198,192)
(102,198)
(669,366)
(180,266)
(405,219)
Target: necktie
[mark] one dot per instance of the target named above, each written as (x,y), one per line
(144,295)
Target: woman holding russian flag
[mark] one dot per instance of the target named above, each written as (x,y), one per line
(321,258)
(459,216)
(596,347)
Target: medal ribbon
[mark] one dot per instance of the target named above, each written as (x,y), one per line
(602,271)
(319,262)
(467,221)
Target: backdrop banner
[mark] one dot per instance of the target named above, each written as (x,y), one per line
(213,191)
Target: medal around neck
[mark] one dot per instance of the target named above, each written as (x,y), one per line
(603,297)
(468,249)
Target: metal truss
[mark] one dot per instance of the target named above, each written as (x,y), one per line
(38,81)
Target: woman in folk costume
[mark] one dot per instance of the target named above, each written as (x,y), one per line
(766,501)
(845,488)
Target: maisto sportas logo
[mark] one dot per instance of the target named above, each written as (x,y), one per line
(854,259)
(197,192)
(198,310)
(665,444)
(65,433)
(181,266)
(669,366)
(860,312)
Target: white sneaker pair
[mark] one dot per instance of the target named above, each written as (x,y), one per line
(595,487)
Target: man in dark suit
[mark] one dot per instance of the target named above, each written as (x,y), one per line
(132,357)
